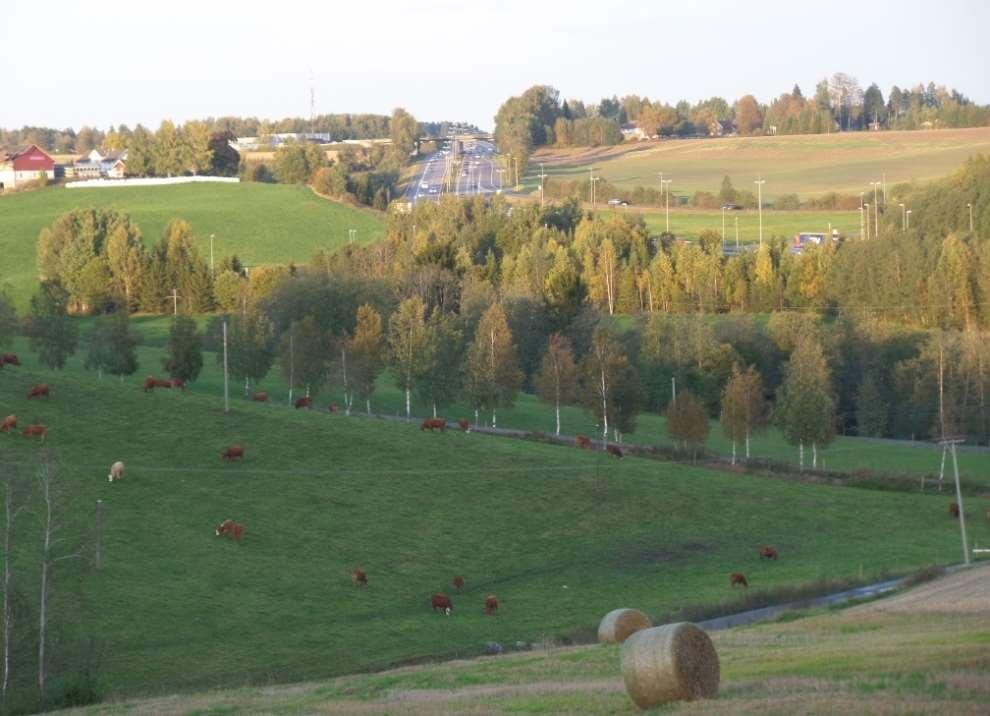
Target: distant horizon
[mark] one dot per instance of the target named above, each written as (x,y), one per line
(446,61)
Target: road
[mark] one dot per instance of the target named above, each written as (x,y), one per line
(474,171)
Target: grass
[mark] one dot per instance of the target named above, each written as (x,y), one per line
(561,535)
(859,660)
(261,223)
(807,165)
(689,223)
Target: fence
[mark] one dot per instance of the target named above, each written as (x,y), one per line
(147,181)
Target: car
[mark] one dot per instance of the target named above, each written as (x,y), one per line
(731,207)
(618,202)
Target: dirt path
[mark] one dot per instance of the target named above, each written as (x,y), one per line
(964,592)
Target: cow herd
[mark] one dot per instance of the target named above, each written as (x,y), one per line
(439,601)
(151,382)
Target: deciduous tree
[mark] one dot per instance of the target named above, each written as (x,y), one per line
(557,380)
(492,375)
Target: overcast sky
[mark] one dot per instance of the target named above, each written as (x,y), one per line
(105,62)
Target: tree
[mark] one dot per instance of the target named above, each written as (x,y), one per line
(225,161)
(440,378)
(409,344)
(304,355)
(687,422)
(169,150)
(51,333)
(743,406)
(126,260)
(492,375)
(749,118)
(367,348)
(805,408)
(727,194)
(141,153)
(184,351)
(610,385)
(197,156)
(250,348)
(112,346)
(557,380)
(404,130)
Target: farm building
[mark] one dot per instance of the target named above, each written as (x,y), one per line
(101,166)
(21,165)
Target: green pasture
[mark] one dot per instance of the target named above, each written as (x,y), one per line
(807,165)
(560,535)
(261,223)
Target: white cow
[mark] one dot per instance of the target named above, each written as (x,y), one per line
(116,471)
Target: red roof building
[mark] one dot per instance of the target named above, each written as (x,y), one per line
(24,164)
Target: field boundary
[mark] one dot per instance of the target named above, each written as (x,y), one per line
(149,181)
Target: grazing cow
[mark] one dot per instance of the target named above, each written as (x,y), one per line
(491,604)
(225,528)
(151,382)
(464,425)
(768,553)
(304,402)
(38,391)
(582,442)
(359,578)
(614,451)
(232,453)
(177,383)
(333,408)
(230,529)
(9,359)
(954,510)
(441,603)
(738,578)
(35,431)
(237,533)
(260,397)
(8,424)
(432,424)
(459,583)
(116,471)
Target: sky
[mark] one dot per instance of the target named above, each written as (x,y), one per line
(103,62)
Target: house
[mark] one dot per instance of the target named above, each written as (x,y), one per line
(97,165)
(23,165)
(630,132)
(721,128)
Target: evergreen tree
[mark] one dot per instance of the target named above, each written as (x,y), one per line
(51,333)
(112,346)
(184,351)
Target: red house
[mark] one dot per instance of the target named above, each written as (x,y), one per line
(24,164)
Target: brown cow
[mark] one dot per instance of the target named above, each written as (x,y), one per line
(614,451)
(441,603)
(464,425)
(38,391)
(260,397)
(9,359)
(232,453)
(35,430)
(432,424)
(237,533)
(954,510)
(8,424)
(304,402)
(359,578)
(232,530)
(738,578)
(459,583)
(768,553)
(151,382)
(177,383)
(582,442)
(224,528)
(333,408)
(491,604)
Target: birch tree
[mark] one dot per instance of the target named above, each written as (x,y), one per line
(492,375)
(367,348)
(805,409)
(408,343)
(743,407)
(557,380)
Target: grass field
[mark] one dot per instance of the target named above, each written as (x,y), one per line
(807,165)
(261,223)
(559,534)
(689,223)
(919,652)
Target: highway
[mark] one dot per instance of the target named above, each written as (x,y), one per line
(475,171)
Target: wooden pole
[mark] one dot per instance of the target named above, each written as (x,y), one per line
(226,382)
(959,502)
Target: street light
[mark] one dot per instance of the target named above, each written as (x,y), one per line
(666,185)
(903,215)
(759,204)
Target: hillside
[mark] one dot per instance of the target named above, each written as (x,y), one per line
(560,535)
(261,223)
(807,165)
(866,659)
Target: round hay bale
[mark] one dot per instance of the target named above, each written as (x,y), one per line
(619,624)
(675,662)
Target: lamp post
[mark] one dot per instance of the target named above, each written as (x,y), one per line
(660,198)
(876,209)
(907,219)
(666,184)
(867,207)
(903,215)
(759,204)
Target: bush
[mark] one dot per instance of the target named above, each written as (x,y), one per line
(788,202)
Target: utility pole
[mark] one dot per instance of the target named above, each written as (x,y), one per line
(867,206)
(876,210)
(660,198)
(175,302)
(723,223)
(673,389)
(226,385)
(907,219)
(903,216)
(759,204)
(970,205)
(543,175)
(666,184)
(211,253)
(951,443)
(737,233)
